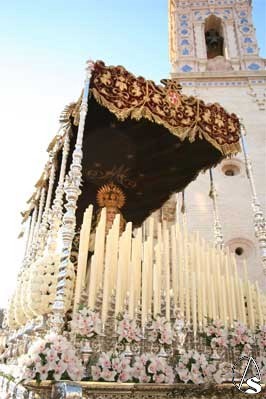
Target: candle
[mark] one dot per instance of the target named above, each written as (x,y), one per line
(224,303)
(92,285)
(83,255)
(233,303)
(156,280)
(259,306)
(120,272)
(144,286)
(180,273)
(242,296)
(174,263)
(204,307)
(167,272)
(188,293)
(194,303)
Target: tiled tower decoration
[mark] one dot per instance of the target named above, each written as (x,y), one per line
(226,24)
(214,55)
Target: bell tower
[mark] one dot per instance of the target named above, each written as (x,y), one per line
(203,30)
(214,54)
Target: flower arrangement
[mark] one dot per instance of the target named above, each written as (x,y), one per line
(111,367)
(86,323)
(194,368)
(146,368)
(161,331)
(261,339)
(215,334)
(128,330)
(153,369)
(240,337)
(51,358)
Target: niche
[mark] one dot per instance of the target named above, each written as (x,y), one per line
(214,37)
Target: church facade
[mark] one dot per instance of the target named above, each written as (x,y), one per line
(214,54)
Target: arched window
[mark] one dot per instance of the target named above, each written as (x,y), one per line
(214,36)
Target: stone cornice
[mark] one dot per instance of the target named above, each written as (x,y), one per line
(219,76)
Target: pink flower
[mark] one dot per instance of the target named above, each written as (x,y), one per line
(125,375)
(152,368)
(184,375)
(96,373)
(108,375)
(160,378)
(144,378)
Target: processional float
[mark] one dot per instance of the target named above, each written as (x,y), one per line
(100,273)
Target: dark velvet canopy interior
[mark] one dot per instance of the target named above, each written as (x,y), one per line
(141,157)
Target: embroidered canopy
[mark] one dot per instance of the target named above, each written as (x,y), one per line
(151,140)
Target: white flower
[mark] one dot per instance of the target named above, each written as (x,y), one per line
(108,375)
(96,373)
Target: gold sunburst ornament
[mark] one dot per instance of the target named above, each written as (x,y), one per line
(111,195)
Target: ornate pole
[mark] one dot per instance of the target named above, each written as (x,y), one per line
(44,223)
(31,230)
(57,208)
(72,191)
(34,244)
(259,219)
(218,234)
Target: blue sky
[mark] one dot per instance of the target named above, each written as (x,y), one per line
(44,46)
(50,33)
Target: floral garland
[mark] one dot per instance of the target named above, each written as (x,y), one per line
(153,369)
(147,368)
(261,362)
(127,330)
(111,367)
(261,339)
(240,337)
(215,334)
(194,367)
(51,358)
(161,331)
(86,323)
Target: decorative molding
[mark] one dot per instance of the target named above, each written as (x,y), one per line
(259,95)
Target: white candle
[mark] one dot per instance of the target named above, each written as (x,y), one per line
(92,285)
(194,303)
(83,255)
(167,272)
(144,286)
(174,263)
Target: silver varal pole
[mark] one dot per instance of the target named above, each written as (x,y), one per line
(72,191)
(218,234)
(259,219)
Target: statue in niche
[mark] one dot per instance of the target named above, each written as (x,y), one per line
(214,43)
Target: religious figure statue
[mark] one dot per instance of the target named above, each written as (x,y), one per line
(113,198)
(214,43)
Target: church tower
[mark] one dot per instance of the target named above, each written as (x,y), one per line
(214,54)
